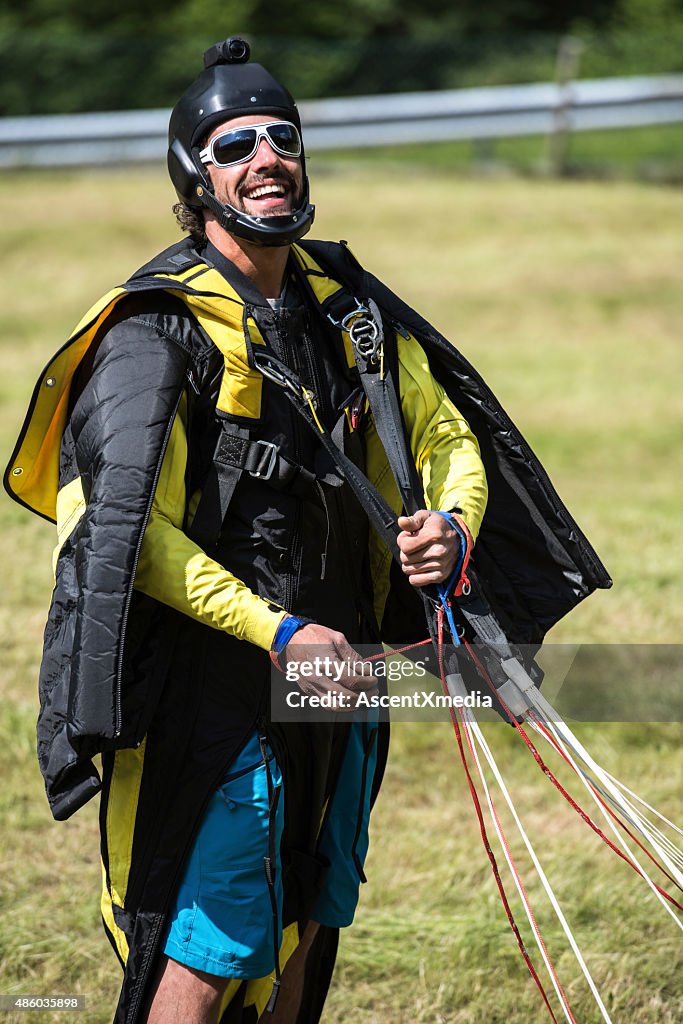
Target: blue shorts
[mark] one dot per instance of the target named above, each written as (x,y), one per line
(222,918)
(344,841)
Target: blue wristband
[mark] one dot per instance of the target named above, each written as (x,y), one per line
(446,515)
(285,632)
(445,589)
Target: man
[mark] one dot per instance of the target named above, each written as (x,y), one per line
(253,163)
(213,421)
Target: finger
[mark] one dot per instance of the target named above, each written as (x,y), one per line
(424,567)
(340,660)
(358,672)
(425,579)
(413,523)
(411,543)
(340,673)
(420,530)
(430,552)
(414,546)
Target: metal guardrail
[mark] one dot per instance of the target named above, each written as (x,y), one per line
(494,112)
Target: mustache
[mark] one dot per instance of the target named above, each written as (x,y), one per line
(282,177)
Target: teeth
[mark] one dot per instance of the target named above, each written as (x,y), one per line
(266,190)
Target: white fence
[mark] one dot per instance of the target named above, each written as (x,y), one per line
(486,113)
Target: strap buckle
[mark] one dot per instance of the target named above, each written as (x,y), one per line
(364,327)
(266,461)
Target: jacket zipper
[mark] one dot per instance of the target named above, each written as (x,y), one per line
(292,574)
(136,559)
(323,557)
(321,395)
(336,495)
(192,382)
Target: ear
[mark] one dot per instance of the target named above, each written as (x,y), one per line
(185,175)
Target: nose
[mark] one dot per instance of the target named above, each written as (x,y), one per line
(265,156)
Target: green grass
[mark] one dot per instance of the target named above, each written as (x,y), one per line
(650,154)
(567,298)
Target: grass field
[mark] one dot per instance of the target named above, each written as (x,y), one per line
(567,298)
(652,154)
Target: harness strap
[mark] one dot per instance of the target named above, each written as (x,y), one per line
(217,491)
(379,512)
(377,365)
(263,460)
(377,362)
(236,453)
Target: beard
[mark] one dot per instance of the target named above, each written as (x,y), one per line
(293,189)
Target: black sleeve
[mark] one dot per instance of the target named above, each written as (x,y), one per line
(120,424)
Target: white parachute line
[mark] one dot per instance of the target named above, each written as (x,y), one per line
(640,826)
(643,824)
(644,803)
(471,725)
(633,857)
(670,858)
(541,873)
(620,839)
(561,729)
(632,816)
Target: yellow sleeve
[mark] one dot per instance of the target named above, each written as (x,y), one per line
(445,449)
(176,571)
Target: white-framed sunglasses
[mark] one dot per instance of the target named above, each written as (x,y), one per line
(236,145)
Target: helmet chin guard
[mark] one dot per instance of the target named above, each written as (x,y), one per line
(282,229)
(231,87)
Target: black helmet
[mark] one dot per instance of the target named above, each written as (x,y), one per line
(230,87)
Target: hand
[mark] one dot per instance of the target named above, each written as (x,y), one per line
(429,547)
(342,670)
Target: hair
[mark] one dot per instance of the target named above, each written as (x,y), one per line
(190,220)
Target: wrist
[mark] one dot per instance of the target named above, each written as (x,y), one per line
(459,582)
(284,633)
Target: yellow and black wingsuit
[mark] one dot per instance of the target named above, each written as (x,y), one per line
(129,432)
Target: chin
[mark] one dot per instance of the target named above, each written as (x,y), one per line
(273,211)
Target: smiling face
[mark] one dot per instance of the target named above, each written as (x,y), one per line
(267,185)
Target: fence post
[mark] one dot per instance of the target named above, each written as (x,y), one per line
(566,70)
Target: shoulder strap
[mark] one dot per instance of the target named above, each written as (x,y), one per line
(373,348)
(376,354)
(217,491)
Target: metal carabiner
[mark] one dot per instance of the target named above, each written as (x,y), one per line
(343,323)
(287,380)
(269,371)
(276,374)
